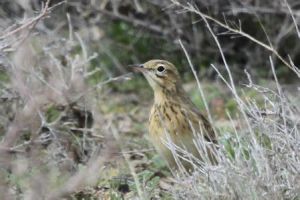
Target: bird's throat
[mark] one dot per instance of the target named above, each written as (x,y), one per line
(162,95)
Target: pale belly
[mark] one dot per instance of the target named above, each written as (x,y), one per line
(166,139)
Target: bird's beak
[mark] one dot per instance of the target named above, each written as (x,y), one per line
(137,67)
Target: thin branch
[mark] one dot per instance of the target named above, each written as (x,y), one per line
(197,79)
(294,20)
(192,9)
(31,23)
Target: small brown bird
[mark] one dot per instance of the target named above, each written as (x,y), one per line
(174,117)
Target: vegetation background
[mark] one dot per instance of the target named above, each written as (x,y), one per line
(74,119)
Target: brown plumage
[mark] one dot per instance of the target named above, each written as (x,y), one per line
(173,115)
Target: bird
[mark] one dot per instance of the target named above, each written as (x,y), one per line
(175,118)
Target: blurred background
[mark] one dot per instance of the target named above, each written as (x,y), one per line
(134,31)
(68,98)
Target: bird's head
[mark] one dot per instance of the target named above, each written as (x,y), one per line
(161,74)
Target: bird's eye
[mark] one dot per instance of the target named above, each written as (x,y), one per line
(160,68)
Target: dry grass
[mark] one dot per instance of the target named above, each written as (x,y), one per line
(53,130)
(259,155)
(65,135)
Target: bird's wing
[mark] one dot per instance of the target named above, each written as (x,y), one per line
(198,119)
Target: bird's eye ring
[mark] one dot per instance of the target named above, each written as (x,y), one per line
(160,68)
